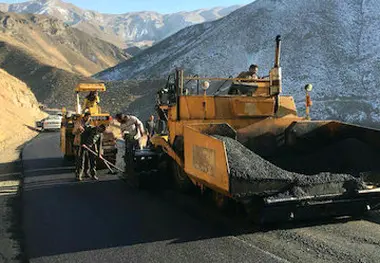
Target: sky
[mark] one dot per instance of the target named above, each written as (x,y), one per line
(161,6)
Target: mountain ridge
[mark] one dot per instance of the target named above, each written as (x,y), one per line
(124,30)
(332,44)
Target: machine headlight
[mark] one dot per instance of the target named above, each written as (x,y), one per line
(205,85)
(308,87)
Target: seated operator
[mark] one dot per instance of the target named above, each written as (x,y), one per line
(91,103)
(250,74)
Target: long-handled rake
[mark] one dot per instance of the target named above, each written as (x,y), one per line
(106,162)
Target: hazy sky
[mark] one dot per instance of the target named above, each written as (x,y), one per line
(161,6)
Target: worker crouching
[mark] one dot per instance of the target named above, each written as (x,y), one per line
(91,140)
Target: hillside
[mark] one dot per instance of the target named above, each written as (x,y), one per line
(50,85)
(53,43)
(51,57)
(124,30)
(19,109)
(332,44)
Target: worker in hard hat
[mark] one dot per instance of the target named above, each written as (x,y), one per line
(91,103)
(132,130)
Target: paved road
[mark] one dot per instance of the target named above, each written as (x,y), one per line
(108,221)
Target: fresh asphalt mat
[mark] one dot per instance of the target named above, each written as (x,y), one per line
(110,221)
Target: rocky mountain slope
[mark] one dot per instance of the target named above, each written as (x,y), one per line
(19,109)
(332,44)
(51,57)
(58,45)
(137,28)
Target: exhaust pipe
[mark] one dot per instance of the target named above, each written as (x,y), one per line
(275,73)
(278,51)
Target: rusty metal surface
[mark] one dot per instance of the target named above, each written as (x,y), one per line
(205,159)
(224,107)
(86,87)
(286,107)
(159,141)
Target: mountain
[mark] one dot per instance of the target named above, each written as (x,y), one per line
(49,56)
(332,44)
(58,45)
(133,51)
(124,30)
(19,109)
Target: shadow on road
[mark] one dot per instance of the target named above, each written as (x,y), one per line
(66,218)
(109,214)
(52,164)
(32,128)
(105,214)
(9,168)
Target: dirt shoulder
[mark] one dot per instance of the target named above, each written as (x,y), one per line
(19,112)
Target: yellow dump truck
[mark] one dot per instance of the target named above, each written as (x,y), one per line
(97,118)
(252,147)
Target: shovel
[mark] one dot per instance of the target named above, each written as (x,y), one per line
(106,162)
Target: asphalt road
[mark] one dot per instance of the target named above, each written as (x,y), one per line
(110,221)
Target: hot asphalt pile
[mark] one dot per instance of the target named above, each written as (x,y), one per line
(250,174)
(349,156)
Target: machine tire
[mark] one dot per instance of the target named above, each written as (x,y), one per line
(181,180)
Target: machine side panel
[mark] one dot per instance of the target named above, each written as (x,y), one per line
(205,159)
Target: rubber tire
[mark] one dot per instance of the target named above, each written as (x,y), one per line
(181,180)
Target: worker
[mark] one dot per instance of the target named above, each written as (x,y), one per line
(250,74)
(132,131)
(150,127)
(78,129)
(91,102)
(160,127)
(91,138)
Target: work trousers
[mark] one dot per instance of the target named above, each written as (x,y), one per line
(86,162)
(130,145)
(77,153)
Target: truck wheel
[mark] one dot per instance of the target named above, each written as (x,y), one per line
(181,180)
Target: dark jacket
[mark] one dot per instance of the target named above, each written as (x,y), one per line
(92,138)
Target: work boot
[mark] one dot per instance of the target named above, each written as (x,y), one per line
(79,177)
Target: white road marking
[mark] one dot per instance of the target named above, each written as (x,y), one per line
(9,187)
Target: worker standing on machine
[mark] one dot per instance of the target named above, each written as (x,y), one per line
(91,138)
(132,130)
(150,126)
(78,129)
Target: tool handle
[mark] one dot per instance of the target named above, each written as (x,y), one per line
(102,158)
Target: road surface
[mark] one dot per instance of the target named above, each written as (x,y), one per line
(110,221)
